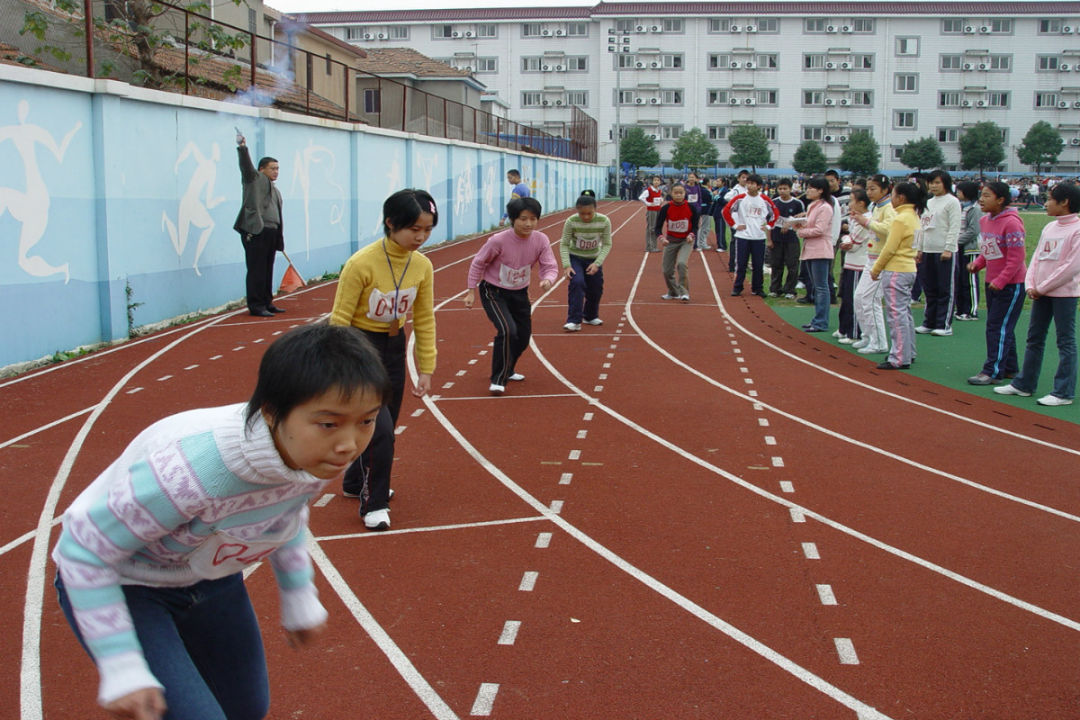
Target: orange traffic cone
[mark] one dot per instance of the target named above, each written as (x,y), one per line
(292,280)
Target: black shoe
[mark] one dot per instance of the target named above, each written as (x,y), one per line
(889,366)
(275,309)
(735,293)
(262,313)
(760,294)
(805,300)
(814,329)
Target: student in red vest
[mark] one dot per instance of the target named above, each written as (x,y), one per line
(676,230)
(653,197)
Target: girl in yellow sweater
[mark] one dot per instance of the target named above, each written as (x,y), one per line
(379,286)
(895,267)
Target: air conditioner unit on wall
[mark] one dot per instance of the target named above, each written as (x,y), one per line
(456,34)
(845,101)
(845,29)
(654,65)
(1075,141)
(640,28)
(733,101)
(842,138)
(1076,104)
(1064,67)
(981,103)
(830,66)
(751,29)
(546,103)
(966,103)
(560,68)
(985,29)
(1067,30)
(735,28)
(640,65)
(1063,104)
(734,65)
(558,102)
(827,138)
(830,29)
(654,101)
(969,66)
(468,33)
(750,101)
(830,101)
(545,68)
(560,33)
(969,29)
(750,66)
(656,28)
(845,66)
(984,66)
(368,36)
(383,36)
(640,101)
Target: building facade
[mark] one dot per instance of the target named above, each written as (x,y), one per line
(798,70)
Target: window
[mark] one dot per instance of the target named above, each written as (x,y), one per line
(487,64)
(815,61)
(813,133)
(1047,62)
(579,63)
(626,97)
(354,33)
(767,61)
(624,61)
(897,153)
(813,97)
(949,98)
(952,26)
(862,98)
(487,30)
(862,25)
(716,132)
(531,63)
(951,62)
(906,82)
(1001,26)
(948,134)
(672,62)
(766,97)
(531,30)
(1046,100)
(329,64)
(530,99)
(253,20)
(768,25)
(862,61)
(442,31)
(907,46)
(625,25)
(719,61)
(718,97)
(997,99)
(815,25)
(1001,63)
(671,97)
(904,119)
(372,101)
(769,130)
(670,132)
(577,97)
(1052,25)
(673,25)
(399,32)
(577,29)
(719,25)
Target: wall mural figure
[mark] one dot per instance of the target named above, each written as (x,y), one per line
(195,210)
(465,191)
(489,189)
(427,167)
(312,155)
(30,207)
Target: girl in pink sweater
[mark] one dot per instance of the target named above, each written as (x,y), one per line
(817,252)
(1053,283)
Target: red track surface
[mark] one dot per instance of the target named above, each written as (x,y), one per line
(714,506)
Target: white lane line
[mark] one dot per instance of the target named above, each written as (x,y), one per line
(134,390)
(461,372)
(602,376)
(786,486)
(810,551)
(473,361)
(400,429)
(763,422)
(382,639)
(191,367)
(217,357)
(163,378)
(448,385)
(744,369)
(777,461)
(574,455)
(238,348)
(598,388)
(500,398)
(566,478)
(770,440)
(748,381)
(49,426)
(509,632)
(581,434)
(258,341)
(321,502)
(797,515)
(587,417)
(528,581)
(606,366)
(432,528)
(485,699)
(543,540)
(846,650)
(417,412)
(825,594)
(556,506)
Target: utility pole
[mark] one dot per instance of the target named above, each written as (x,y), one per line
(618,43)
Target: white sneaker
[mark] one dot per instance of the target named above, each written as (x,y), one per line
(516,377)
(594,321)
(377,519)
(665,296)
(572,327)
(684,297)
(846,341)
(837,334)
(923,330)
(941,332)
(1053,401)
(496,389)
(789,296)
(872,350)
(1010,390)
(800,285)
(859,344)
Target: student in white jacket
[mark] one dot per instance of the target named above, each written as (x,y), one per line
(935,249)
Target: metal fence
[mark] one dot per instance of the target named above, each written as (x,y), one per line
(164,46)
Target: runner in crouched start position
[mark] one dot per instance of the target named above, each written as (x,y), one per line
(586,241)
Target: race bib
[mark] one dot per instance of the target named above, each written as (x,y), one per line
(514,278)
(989,248)
(224,554)
(678,226)
(691,198)
(1050,249)
(587,242)
(928,221)
(381,305)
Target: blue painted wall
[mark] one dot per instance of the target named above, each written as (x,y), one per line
(109,189)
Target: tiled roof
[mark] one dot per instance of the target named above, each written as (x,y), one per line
(661,9)
(390,61)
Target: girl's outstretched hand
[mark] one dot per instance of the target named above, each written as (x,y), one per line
(143,704)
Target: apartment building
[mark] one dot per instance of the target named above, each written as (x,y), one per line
(798,70)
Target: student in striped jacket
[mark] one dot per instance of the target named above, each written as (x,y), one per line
(586,242)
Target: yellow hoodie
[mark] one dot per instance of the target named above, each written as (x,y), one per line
(898,255)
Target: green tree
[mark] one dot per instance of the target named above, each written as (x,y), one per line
(638,149)
(749,146)
(1041,146)
(809,159)
(861,155)
(694,150)
(981,147)
(922,153)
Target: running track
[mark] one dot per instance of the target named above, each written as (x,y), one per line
(693,511)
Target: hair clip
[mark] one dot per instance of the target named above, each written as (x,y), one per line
(432,204)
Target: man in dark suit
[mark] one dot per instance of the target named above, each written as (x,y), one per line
(260,226)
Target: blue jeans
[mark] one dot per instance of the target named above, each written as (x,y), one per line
(819,279)
(202,643)
(584,291)
(1062,310)
(1003,309)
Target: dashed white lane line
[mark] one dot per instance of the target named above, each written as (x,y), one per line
(259,340)
(744,369)
(528,581)
(134,390)
(602,376)
(825,593)
(543,540)
(191,367)
(574,455)
(810,551)
(461,372)
(763,422)
(509,632)
(321,502)
(217,357)
(163,378)
(797,516)
(748,381)
(587,417)
(556,506)
(777,461)
(786,486)
(566,478)
(846,650)
(473,361)
(770,440)
(581,434)
(598,388)
(417,412)
(237,348)
(448,385)
(399,429)
(485,699)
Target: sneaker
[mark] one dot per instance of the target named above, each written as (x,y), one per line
(516,377)
(800,285)
(735,293)
(837,334)
(963,316)
(1053,401)
(923,330)
(1011,390)
(981,379)
(789,296)
(496,389)
(872,350)
(804,300)
(666,296)
(377,519)
(594,321)
(941,332)
(572,327)
(846,341)
(859,344)
(351,494)
(774,295)
(886,365)
(684,297)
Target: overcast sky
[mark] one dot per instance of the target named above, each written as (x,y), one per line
(295,6)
